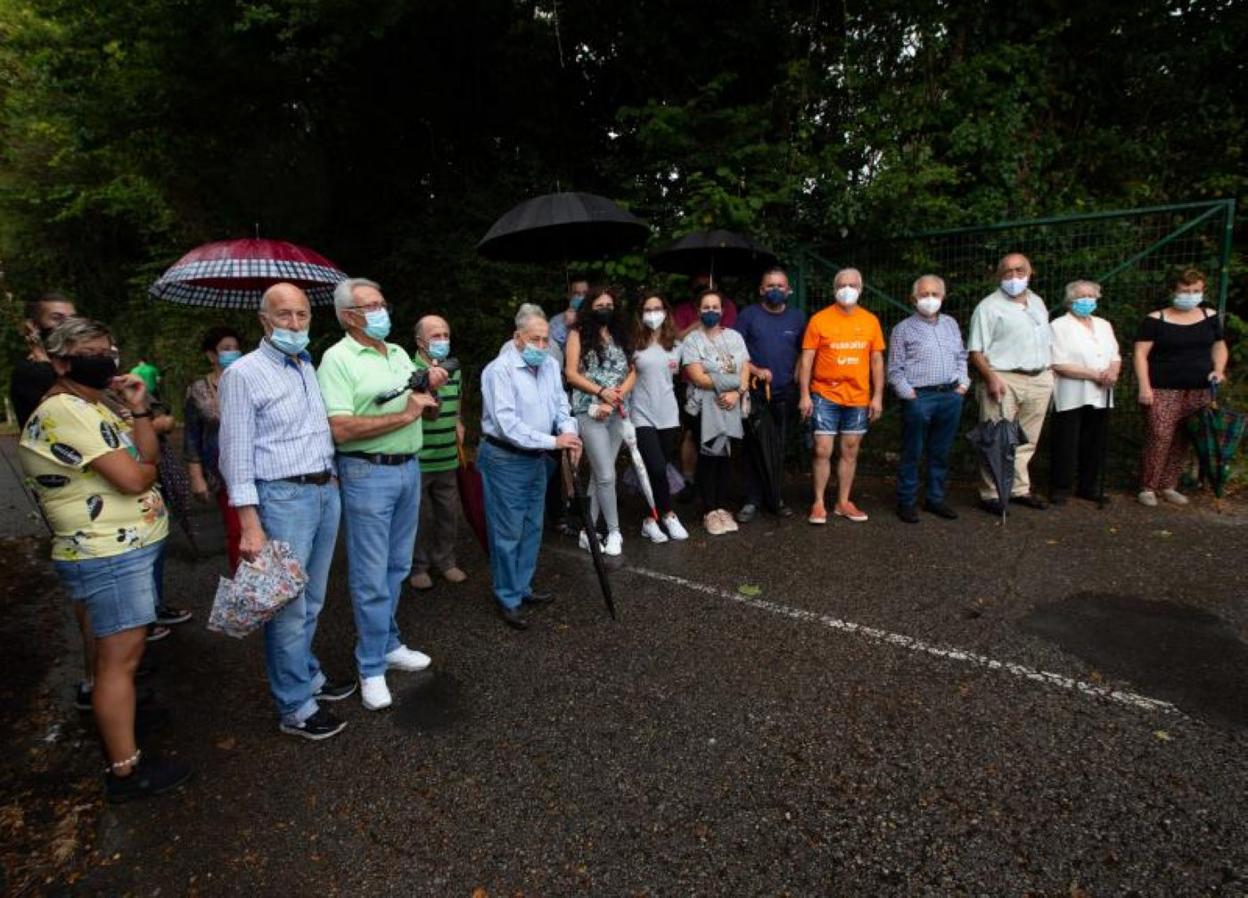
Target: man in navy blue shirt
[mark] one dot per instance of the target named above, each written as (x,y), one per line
(773,335)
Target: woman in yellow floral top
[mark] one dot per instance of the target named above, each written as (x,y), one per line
(95,477)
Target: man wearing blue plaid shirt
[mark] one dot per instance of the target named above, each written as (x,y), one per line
(927,371)
(277,459)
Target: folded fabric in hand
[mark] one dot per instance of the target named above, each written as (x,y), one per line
(259,590)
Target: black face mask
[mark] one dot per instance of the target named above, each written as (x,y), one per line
(94,371)
(44,333)
(603,316)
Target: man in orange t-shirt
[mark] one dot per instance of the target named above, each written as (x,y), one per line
(842,388)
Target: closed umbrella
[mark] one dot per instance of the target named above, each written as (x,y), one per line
(997,441)
(639,464)
(587,521)
(557,227)
(765,450)
(472,498)
(233,274)
(1216,432)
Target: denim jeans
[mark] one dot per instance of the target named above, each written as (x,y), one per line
(929,420)
(306,517)
(380,511)
(515,493)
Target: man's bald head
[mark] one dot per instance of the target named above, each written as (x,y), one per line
(286,306)
(432,327)
(1014,265)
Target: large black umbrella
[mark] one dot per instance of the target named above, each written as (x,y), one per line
(996,442)
(764,448)
(591,532)
(559,227)
(714,252)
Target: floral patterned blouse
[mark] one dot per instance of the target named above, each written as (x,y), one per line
(609,372)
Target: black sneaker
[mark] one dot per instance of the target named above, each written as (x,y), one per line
(82,698)
(156,633)
(748,512)
(336,691)
(941,510)
(167,617)
(151,776)
(908,514)
(320,725)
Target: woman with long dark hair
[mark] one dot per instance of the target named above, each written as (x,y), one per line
(599,369)
(653,409)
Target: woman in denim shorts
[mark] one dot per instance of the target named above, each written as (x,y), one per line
(95,473)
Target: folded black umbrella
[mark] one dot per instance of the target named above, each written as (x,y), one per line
(714,252)
(591,533)
(765,450)
(559,227)
(997,442)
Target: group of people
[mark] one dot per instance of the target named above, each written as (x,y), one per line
(291,451)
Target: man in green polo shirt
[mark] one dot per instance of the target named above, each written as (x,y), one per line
(439,495)
(379,475)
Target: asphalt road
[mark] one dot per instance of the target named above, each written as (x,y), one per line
(1056,705)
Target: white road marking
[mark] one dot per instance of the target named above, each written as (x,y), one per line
(884,637)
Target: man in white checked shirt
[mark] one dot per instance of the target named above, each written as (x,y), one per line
(277,459)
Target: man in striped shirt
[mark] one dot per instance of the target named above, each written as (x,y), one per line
(439,457)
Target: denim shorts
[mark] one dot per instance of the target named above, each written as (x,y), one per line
(119,591)
(829,418)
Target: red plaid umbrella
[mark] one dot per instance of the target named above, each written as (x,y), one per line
(233,274)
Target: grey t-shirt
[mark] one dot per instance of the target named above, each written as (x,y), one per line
(653,402)
(726,354)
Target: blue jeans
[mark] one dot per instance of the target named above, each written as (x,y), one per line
(515,494)
(931,420)
(306,517)
(119,590)
(381,511)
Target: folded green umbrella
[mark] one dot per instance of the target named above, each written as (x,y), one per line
(1216,432)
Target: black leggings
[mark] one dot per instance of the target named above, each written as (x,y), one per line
(714,476)
(658,449)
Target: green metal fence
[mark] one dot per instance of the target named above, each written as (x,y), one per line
(1129,252)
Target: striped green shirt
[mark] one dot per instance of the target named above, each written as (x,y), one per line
(439,452)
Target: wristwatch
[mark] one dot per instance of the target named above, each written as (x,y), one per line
(146,414)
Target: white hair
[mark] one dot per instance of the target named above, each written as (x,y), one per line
(344,292)
(847,271)
(527,313)
(914,290)
(1074,286)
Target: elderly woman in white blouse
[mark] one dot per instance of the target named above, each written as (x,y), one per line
(1086,363)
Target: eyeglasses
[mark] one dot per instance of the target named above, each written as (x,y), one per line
(373,307)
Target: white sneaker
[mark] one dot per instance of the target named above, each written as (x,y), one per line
(1147,497)
(651,530)
(1174,497)
(374,693)
(404,658)
(615,543)
(675,529)
(583,541)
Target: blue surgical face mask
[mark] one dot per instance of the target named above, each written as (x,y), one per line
(775,297)
(710,319)
(1185,302)
(439,349)
(1083,306)
(227,357)
(1014,286)
(377,324)
(534,356)
(577,300)
(289,342)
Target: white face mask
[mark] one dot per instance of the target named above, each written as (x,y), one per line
(1014,286)
(654,320)
(847,296)
(928,305)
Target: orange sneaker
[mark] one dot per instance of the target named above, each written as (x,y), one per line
(850,510)
(818,514)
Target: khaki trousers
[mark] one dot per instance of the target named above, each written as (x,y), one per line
(439,515)
(1026,398)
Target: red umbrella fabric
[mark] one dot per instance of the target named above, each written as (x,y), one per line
(233,274)
(472,498)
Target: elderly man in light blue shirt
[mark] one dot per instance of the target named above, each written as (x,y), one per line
(524,415)
(277,459)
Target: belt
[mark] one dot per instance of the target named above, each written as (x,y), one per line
(512,447)
(318,479)
(379,458)
(1025,372)
(939,388)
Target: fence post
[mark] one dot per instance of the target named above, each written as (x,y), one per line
(1224,277)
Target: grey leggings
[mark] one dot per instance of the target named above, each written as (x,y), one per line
(602,441)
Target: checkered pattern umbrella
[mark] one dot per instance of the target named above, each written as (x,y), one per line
(1216,433)
(233,274)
